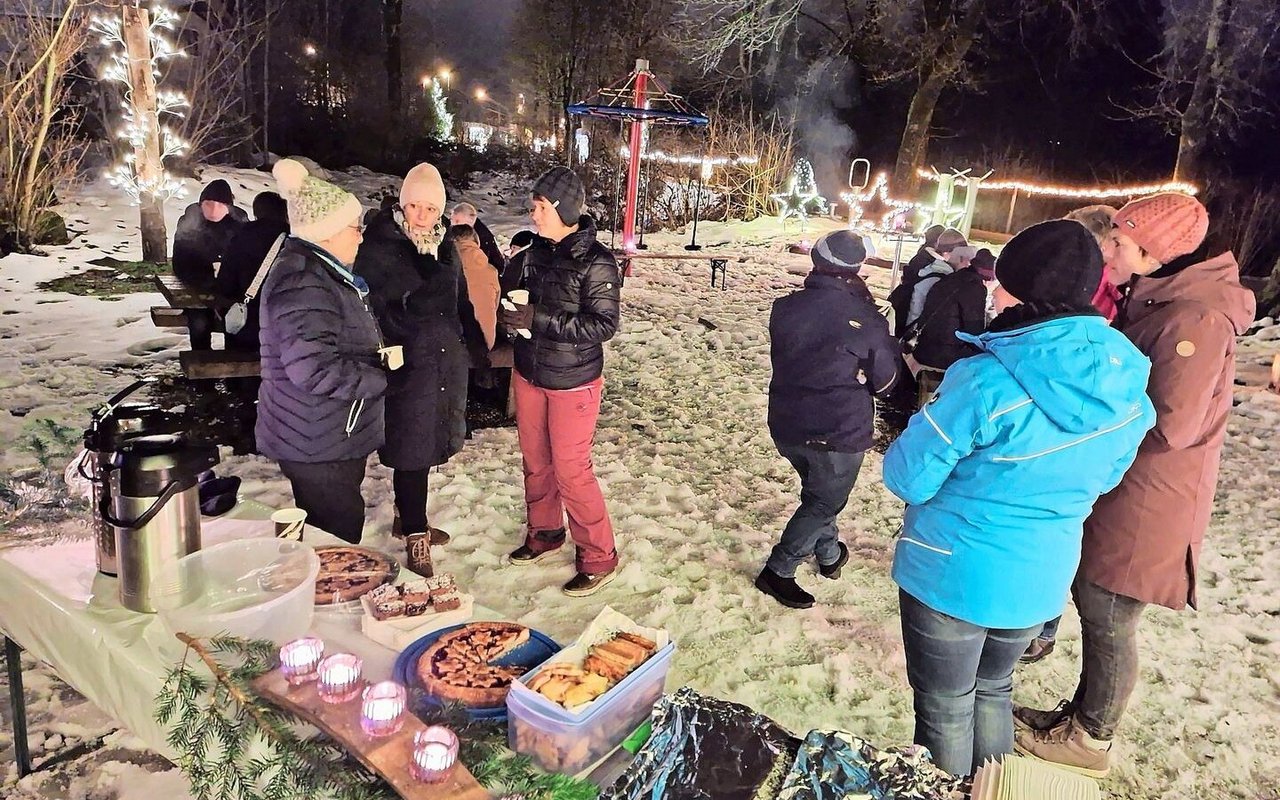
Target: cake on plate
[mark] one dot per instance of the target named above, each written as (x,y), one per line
(459,665)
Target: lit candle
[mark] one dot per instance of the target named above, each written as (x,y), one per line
(339,678)
(435,751)
(299,658)
(382,709)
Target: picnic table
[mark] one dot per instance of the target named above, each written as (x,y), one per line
(196,310)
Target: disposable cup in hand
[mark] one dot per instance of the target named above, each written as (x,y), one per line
(393,356)
(290,523)
(519,296)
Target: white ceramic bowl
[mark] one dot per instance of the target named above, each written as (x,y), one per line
(254,588)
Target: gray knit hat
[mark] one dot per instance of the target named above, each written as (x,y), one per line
(562,188)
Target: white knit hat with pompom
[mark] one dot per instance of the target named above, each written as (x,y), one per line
(318,210)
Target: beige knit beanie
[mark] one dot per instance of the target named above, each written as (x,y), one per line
(318,210)
(423,184)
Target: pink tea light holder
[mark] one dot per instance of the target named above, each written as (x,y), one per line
(382,709)
(339,678)
(435,752)
(300,659)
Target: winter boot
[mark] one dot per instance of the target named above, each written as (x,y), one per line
(418,547)
(585,583)
(784,590)
(550,541)
(1038,649)
(832,571)
(438,537)
(1067,746)
(1034,719)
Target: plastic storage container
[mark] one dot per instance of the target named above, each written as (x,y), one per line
(567,743)
(255,588)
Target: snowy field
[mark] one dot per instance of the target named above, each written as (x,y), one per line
(697,495)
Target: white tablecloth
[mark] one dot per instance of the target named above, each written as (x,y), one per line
(56,605)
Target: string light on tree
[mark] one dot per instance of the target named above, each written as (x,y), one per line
(801,193)
(1077,192)
(136,129)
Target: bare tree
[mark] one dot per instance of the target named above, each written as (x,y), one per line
(37,151)
(1211,76)
(392,17)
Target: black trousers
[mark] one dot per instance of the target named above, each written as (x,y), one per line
(410,489)
(329,492)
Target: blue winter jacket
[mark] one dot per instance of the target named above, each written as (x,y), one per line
(1001,468)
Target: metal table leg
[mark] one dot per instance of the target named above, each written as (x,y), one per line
(18,704)
(721,266)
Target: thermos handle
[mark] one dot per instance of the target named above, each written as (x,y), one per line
(84,459)
(121,395)
(148,515)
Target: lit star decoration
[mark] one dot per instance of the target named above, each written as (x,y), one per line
(801,193)
(1077,192)
(895,210)
(168,104)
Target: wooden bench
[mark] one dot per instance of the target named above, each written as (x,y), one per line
(212,364)
(166,317)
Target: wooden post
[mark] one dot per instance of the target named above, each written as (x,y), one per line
(1013,203)
(147,163)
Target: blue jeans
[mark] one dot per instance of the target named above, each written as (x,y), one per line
(961,678)
(826,478)
(1049,632)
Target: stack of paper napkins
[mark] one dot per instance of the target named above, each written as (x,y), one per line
(1017,778)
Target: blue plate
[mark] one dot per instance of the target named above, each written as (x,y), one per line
(538,649)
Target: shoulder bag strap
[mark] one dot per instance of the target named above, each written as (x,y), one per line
(264,269)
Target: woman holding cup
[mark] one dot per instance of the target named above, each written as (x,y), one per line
(414,294)
(562,315)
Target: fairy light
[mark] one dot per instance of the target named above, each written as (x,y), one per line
(708,163)
(1075,192)
(879,189)
(170,105)
(801,192)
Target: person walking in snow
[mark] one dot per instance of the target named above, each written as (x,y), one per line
(1142,541)
(204,230)
(244,258)
(320,403)
(574,286)
(831,352)
(999,470)
(413,289)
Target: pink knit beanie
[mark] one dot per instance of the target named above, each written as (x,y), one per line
(1167,225)
(423,184)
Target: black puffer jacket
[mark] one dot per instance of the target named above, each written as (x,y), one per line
(240,264)
(831,351)
(415,298)
(574,288)
(956,303)
(322,380)
(197,243)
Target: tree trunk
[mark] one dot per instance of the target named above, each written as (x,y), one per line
(392,14)
(1193,133)
(148,169)
(914,149)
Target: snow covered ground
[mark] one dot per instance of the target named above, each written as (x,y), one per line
(697,494)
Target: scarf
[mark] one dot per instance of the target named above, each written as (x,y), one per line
(427,242)
(348,277)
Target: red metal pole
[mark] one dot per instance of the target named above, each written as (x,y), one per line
(633,166)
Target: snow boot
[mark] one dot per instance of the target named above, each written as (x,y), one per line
(832,571)
(784,590)
(1035,719)
(584,583)
(1067,746)
(418,551)
(438,537)
(1037,650)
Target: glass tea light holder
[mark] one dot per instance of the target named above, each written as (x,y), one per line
(382,709)
(299,660)
(435,751)
(339,678)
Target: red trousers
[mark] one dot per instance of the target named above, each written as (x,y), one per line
(557,428)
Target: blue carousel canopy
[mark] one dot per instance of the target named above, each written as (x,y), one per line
(658,115)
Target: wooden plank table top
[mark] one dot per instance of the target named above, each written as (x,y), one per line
(179,295)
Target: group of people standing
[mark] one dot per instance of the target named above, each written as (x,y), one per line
(1067,443)
(368,323)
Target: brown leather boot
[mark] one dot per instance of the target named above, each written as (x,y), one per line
(1067,746)
(418,548)
(438,537)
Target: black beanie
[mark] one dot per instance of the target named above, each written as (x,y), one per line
(839,250)
(561,187)
(219,191)
(1053,262)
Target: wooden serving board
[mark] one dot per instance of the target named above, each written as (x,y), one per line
(388,757)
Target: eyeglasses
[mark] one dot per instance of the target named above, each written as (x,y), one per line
(359,228)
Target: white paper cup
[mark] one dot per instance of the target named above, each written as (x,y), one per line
(393,356)
(519,296)
(290,523)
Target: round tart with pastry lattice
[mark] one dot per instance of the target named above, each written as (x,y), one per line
(348,573)
(461,666)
